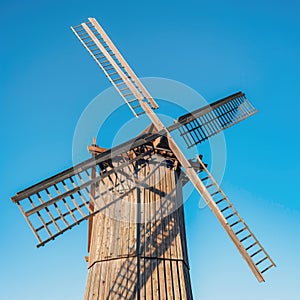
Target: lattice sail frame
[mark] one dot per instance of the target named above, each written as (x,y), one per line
(114,66)
(210,120)
(59,203)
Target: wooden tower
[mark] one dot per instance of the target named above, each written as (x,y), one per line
(132,194)
(138,244)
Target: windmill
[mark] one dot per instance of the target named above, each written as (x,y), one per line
(132,197)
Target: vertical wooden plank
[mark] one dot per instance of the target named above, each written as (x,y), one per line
(97,282)
(154,234)
(169,229)
(88,285)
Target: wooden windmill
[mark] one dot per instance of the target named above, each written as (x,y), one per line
(132,194)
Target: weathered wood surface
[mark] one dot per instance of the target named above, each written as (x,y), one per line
(140,252)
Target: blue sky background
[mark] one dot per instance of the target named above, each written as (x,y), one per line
(217,48)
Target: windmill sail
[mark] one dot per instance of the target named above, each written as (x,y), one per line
(112,63)
(201,124)
(58,203)
(248,245)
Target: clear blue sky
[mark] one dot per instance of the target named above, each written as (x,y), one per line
(215,47)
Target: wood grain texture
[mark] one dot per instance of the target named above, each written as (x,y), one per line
(140,251)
